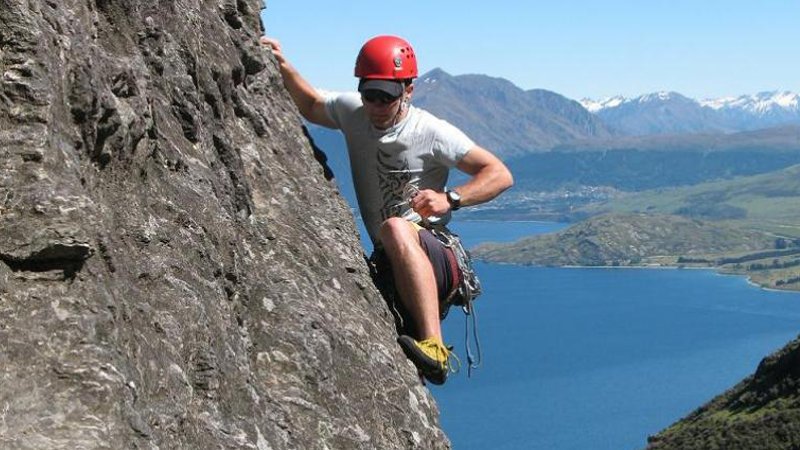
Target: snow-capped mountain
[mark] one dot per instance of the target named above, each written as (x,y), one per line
(596,105)
(765,109)
(617,100)
(671,112)
(762,103)
(655,113)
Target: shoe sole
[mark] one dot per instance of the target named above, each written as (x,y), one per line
(429,368)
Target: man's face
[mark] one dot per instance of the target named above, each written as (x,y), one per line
(381,111)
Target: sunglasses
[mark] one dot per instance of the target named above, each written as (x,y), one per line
(375,96)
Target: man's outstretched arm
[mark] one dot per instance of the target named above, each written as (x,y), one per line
(308,100)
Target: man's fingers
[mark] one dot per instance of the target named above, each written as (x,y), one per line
(275,47)
(429,203)
(269,42)
(419,201)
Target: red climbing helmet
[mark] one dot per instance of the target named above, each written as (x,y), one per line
(386,58)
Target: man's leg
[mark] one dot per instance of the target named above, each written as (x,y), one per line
(413,275)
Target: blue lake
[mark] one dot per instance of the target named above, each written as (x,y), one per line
(600,358)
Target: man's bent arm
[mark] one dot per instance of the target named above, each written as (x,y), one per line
(490,177)
(308,100)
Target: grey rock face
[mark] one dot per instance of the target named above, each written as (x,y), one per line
(175,269)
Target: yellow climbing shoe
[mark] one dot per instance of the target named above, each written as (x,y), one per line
(430,356)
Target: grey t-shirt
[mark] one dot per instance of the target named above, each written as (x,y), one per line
(390,165)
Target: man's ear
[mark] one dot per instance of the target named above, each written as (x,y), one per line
(409,90)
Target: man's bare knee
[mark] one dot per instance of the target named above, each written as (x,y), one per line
(395,232)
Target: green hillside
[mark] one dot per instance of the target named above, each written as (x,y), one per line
(761,412)
(768,202)
(659,240)
(630,239)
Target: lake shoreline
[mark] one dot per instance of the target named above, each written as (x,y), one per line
(718,269)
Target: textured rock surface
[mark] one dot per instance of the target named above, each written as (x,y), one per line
(175,269)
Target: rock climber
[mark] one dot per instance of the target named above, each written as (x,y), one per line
(400,157)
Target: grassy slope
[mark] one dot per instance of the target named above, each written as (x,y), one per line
(664,240)
(769,202)
(629,239)
(761,412)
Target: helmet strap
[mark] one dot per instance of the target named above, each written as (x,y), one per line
(400,108)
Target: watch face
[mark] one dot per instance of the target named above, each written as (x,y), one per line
(454,199)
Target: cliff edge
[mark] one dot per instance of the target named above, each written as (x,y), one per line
(761,412)
(175,269)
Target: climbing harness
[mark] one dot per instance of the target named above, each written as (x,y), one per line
(463,294)
(467,290)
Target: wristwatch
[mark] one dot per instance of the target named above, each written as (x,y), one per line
(454,198)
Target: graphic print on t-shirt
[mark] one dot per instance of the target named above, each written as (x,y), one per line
(394,175)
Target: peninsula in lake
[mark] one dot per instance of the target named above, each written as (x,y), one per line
(616,240)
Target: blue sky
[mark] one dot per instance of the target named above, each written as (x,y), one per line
(700,48)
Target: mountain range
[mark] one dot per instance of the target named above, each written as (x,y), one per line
(502,117)
(671,112)
(512,121)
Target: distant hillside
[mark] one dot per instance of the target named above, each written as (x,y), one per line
(502,117)
(641,163)
(783,138)
(553,184)
(671,113)
(769,201)
(761,412)
(627,240)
